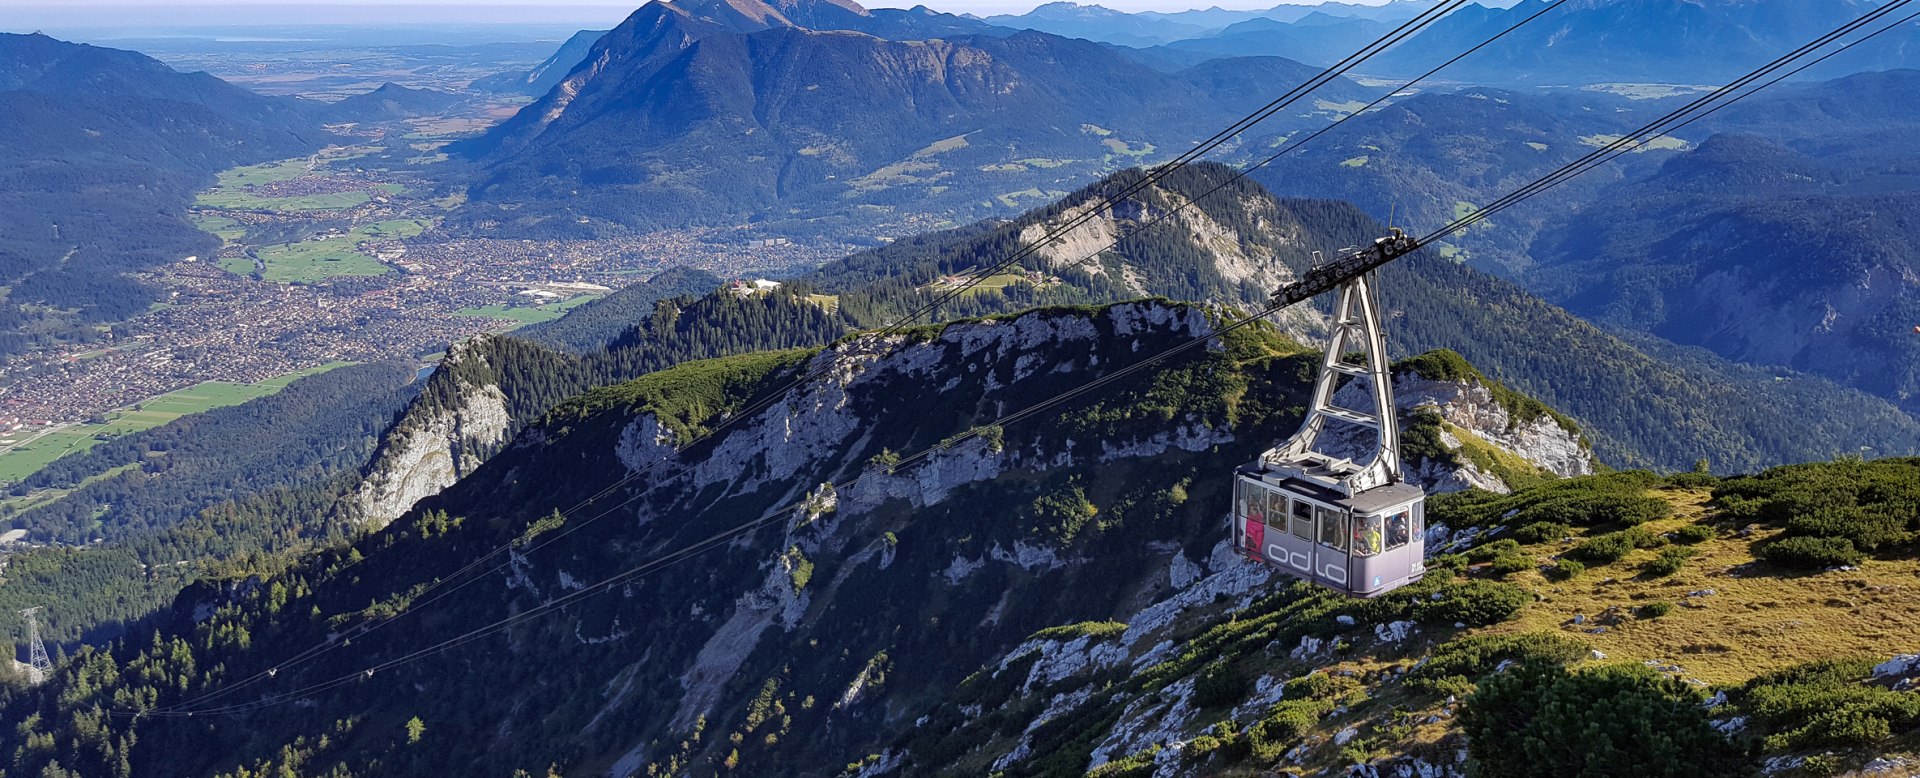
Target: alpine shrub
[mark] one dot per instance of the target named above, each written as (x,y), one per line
(1693,533)
(1491,551)
(1565,569)
(1220,684)
(1810,553)
(1826,704)
(1508,564)
(1616,720)
(1453,666)
(1543,532)
(1614,546)
(1670,560)
(1474,603)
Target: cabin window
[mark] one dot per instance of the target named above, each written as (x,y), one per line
(1277,511)
(1303,521)
(1240,492)
(1399,526)
(1252,505)
(1333,528)
(1367,539)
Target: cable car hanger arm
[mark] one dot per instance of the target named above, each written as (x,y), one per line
(1329,276)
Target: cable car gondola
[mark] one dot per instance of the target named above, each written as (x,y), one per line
(1354,527)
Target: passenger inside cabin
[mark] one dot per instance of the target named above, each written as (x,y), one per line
(1397,530)
(1366,535)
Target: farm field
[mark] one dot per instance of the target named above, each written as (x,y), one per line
(527,314)
(23,452)
(313,260)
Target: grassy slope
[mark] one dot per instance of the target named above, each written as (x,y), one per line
(1758,619)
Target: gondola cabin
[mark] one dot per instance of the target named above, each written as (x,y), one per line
(1364,545)
(1352,526)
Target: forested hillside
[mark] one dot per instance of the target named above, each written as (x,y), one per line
(239,488)
(1763,254)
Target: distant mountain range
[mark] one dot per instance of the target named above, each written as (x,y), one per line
(722,112)
(1099,23)
(1774,233)
(391,101)
(1647,41)
(548,73)
(104,150)
(1581,42)
(1789,246)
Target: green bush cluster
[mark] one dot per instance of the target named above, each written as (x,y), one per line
(1474,603)
(1834,512)
(1060,515)
(1221,683)
(1308,699)
(1656,609)
(1825,704)
(1508,564)
(1565,569)
(1543,532)
(1693,533)
(1139,764)
(1453,666)
(1670,560)
(1489,551)
(1538,719)
(1609,498)
(1065,632)
(1812,553)
(1505,556)
(1614,546)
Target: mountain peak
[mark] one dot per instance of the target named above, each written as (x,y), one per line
(753,15)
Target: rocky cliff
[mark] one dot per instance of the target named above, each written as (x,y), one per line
(435,444)
(1463,430)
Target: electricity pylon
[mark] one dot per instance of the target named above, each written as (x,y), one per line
(37,663)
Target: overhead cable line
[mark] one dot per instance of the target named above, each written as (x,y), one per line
(1309,285)
(1279,103)
(1337,70)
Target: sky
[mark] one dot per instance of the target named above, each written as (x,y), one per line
(27,14)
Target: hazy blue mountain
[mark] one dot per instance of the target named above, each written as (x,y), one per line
(1218,18)
(390,102)
(1648,41)
(1316,39)
(548,73)
(1761,253)
(821,122)
(1099,23)
(104,150)
(1432,157)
